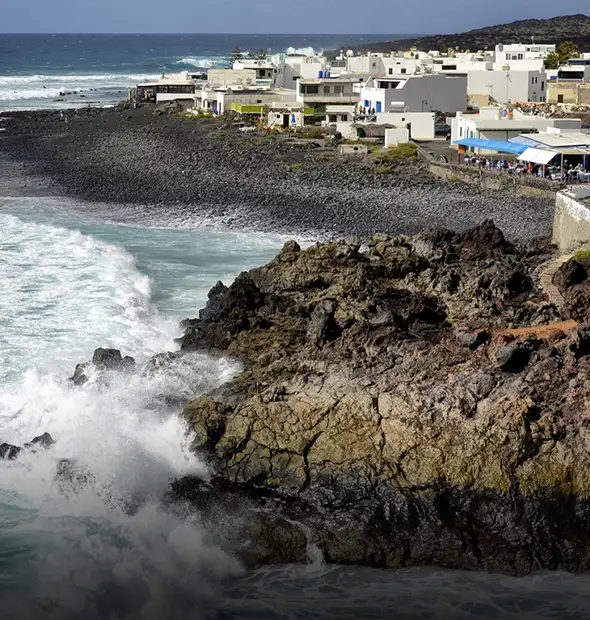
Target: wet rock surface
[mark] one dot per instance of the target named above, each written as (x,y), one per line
(403,404)
(10,452)
(104,361)
(182,169)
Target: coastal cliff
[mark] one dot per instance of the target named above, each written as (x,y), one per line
(414,402)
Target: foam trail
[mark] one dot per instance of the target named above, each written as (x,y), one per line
(96,543)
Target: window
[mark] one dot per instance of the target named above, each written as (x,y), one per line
(390,71)
(404,70)
(310,89)
(559,98)
(332,118)
(339,90)
(345,117)
(543,85)
(326,90)
(460,132)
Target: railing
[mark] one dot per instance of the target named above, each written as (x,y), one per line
(481,173)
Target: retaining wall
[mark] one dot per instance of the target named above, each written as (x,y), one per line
(571,225)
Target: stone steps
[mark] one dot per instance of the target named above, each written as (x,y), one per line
(546,273)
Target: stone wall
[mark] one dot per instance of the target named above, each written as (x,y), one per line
(568,92)
(571,226)
(522,186)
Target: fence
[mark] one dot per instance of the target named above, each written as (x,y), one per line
(523,184)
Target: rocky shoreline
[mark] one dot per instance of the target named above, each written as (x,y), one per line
(414,402)
(261,181)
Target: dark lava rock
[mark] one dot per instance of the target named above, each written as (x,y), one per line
(473,340)
(103,360)
(513,358)
(215,301)
(42,441)
(111,359)
(9,452)
(569,274)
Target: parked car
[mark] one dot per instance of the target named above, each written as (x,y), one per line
(442,129)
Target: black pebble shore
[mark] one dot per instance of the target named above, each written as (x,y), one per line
(257,181)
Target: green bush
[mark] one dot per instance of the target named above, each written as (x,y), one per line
(580,254)
(397,154)
(383,170)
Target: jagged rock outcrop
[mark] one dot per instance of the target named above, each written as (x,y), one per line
(407,403)
(109,360)
(10,452)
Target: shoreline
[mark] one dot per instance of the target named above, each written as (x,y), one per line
(260,181)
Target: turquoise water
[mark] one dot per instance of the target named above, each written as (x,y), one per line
(75,277)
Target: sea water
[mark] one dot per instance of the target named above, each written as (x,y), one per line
(76,276)
(70,70)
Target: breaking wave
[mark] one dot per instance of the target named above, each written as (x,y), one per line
(303,51)
(200,63)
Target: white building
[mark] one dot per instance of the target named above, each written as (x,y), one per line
(292,67)
(323,91)
(421,125)
(504,87)
(574,72)
(522,57)
(415,93)
(264,69)
(492,124)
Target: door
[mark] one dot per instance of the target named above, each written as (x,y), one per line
(285,121)
(378,107)
(559,98)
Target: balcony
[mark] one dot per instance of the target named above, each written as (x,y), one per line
(329,97)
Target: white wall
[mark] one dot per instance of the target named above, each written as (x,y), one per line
(508,86)
(419,94)
(231,77)
(421,124)
(393,137)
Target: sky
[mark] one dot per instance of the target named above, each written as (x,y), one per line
(270,16)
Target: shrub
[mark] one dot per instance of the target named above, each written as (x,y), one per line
(398,154)
(383,170)
(580,254)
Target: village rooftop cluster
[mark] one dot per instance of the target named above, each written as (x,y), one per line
(501,102)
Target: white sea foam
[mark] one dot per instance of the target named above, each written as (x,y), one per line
(40,89)
(200,63)
(78,549)
(302,51)
(61,79)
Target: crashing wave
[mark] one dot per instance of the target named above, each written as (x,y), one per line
(200,63)
(302,51)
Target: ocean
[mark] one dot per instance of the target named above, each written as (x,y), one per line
(69,70)
(76,276)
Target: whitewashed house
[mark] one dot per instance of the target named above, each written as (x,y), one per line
(415,93)
(503,87)
(330,99)
(497,124)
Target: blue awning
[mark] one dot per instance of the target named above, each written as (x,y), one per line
(500,146)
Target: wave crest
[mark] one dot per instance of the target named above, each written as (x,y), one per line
(302,51)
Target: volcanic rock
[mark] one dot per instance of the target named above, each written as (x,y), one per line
(403,403)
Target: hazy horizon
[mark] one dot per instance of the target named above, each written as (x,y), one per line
(330,17)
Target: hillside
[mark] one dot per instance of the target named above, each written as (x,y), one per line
(574,28)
